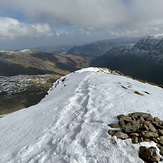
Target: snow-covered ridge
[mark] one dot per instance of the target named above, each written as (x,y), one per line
(16,51)
(70,124)
(157,36)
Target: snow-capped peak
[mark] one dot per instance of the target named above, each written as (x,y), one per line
(25,50)
(157,36)
(70,124)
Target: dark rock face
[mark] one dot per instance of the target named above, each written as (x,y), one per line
(144,60)
(100,48)
(139,127)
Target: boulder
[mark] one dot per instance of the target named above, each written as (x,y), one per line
(121,135)
(135,140)
(156,119)
(151,127)
(148,154)
(150,134)
(129,128)
(111,132)
(140,114)
(160,132)
(114,125)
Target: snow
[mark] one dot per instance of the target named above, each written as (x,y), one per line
(70,124)
(25,50)
(158,36)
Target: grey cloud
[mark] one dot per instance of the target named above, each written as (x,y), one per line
(92,13)
(94,19)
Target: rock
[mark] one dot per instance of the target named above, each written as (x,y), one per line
(142,151)
(156,119)
(146,140)
(152,128)
(156,140)
(140,114)
(134,134)
(135,140)
(160,140)
(150,118)
(141,119)
(121,122)
(114,125)
(140,127)
(155,158)
(124,119)
(140,139)
(157,126)
(136,123)
(145,127)
(160,132)
(111,132)
(119,116)
(129,128)
(121,135)
(161,150)
(148,154)
(150,134)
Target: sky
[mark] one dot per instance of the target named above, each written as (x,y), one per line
(36,23)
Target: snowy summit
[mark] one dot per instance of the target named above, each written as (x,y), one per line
(70,124)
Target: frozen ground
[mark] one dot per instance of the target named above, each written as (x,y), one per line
(70,124)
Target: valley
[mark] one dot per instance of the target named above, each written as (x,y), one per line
(26,76)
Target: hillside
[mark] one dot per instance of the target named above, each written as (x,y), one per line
(26,76)
(99,48)
(31,62)
(144,60)
(70,124)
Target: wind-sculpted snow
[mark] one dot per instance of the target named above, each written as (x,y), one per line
(70,124)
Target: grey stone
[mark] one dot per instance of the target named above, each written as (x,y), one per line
(129,128)
(134,134)
(147,140)
(156,119)
(121,135)
(125,119)
(111,132)
(140,114)
(135,140)
(155,158)
(160,132)
(152,128)
(114,125)
(148,154)
(150,134)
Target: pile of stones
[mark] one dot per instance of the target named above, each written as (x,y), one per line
(140,127)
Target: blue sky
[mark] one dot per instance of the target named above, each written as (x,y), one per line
(28,23)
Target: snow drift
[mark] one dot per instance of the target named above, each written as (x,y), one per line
(70,124)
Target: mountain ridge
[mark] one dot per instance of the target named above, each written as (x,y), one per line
(144,60)
(70,124)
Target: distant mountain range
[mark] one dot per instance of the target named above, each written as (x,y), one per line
(99,48)
(144,60)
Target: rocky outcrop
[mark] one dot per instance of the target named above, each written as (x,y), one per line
(148,155)
(140,127)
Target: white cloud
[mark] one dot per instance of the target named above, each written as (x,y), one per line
(12,29)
